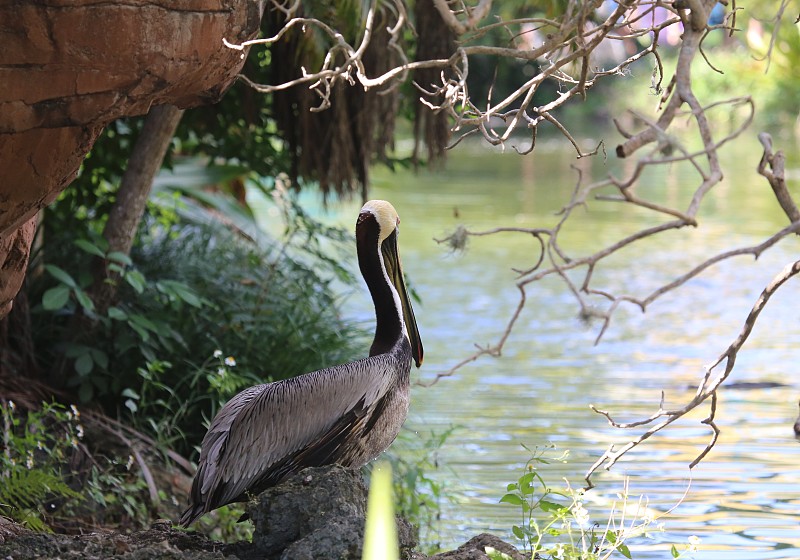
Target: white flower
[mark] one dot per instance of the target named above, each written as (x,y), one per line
(11,405)
(694,540)
(230,361)
(580,514)
(79,429)
(29,460)
(217,353)
(74,410)
(221,371)
(129,464)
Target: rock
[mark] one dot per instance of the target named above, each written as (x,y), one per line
(68,68)
(10,530)
(408,535)
(318,513)
(475,549)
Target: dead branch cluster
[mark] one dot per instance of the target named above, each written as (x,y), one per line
(562,50)
(566,50)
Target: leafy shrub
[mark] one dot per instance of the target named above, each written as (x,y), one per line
(186,292)
(418,493)
(555,523)
(33,450)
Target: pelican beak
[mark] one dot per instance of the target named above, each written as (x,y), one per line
(391,260)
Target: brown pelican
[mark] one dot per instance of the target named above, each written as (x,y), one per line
(346,414)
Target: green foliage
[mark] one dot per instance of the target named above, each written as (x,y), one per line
(24,492)
(186,292)
(276,316)
(84,207)
(777,54)
(122,338)
(555,523)
(732,67)
(418,494)
(33,450)
(116,495)
(223,525)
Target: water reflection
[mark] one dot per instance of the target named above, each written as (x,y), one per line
(744,499)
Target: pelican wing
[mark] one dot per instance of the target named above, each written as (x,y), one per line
(269,431)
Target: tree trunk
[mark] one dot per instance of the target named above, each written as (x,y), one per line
(134,190)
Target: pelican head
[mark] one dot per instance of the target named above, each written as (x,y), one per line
(378,222)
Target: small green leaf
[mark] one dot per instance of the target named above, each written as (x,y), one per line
(130,393)
(518,532)
(121,258)
(512,499)
(117,313)
(511,486)
(143,334)
(61,275)
(100,358)
(526,485)
(89,247)
(136,280)
(131,405)
(84,299)
(611,536)
(55,298)
(181,291)
(623,549)
(547,506)
(189,297)
(527,478)
(674,551)
(143,322)
(495,554)
(84,364)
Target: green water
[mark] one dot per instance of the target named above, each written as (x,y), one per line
(744,498)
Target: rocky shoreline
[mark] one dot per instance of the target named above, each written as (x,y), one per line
(318,513)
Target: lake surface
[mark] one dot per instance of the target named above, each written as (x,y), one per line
(743,500)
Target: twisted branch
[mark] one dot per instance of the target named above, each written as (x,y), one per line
(707,389)
(564,55)
(561,50)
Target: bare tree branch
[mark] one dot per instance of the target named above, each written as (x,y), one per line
(563,50)
(707,388)
(776,176)
(564,55)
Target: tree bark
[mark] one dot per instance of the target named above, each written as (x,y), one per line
(134,190)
